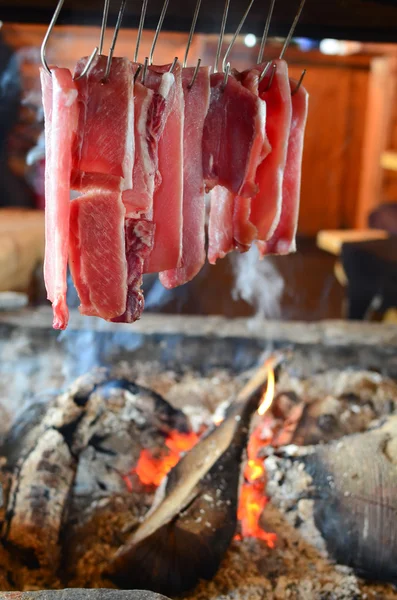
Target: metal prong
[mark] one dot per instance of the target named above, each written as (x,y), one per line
(173,65)
(272,74)
(47,35)
(265,32)
(87,65)
(158,29)
(114,40)
(196,70)
(145,66)
(226,77)
(140,29)
(295,91)
(191,32)
(221,35)
(265,70)
(235,36)
(291,31)
(103,26)
(137,72)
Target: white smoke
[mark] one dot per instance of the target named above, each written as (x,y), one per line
(259,283)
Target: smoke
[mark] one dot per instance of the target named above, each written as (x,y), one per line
(259,283)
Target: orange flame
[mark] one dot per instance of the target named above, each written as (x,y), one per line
(252,498)
(268,396)
(151,470)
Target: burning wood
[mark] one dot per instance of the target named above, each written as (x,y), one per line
(193,519)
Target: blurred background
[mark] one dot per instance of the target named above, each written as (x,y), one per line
(345,265)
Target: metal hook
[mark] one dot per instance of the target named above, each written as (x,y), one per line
(235,36)
(196,70)
(272,74)
(226,77)
(103,26)
(221,35)
(87,65)
(173,65)
(295,91)
(137,72)
(140,29)
(192,28)
(47,35)
(265,32)
(265,70)
(159,26)
(114,40)
(291,31)
(145,66)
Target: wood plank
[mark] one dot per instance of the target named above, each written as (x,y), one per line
(332,241)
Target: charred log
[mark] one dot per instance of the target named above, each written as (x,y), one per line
(185,535)
(342,496)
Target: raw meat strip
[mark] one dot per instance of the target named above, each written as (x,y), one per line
(138,244)
(283,239)
(151,113)
(220,228)
(168,195)
(244,232)
(85,182)
(266,205)
(196,105)
(231,149)
(61,118)
(97,253)
(105,142)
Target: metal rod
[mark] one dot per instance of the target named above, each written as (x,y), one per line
(291,31)
(265,70)
(295,91)
(47,35)
(114,40)
(88,64)
(159,26)
(221,35)
(173,65)
(235,37)
(140,29)
(196,70)
(265,32)
(272,74)
(191,33)
(145,66)
(103,26)
(226,77)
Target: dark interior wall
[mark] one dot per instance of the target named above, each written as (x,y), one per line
(366,20)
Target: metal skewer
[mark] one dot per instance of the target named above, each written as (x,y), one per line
(140,29)
(265,32)
(103,26)
(295,91)
(45,42)
(191,33)
(114,40)
(221,35)
(286,43)
(224,62)
(158,29)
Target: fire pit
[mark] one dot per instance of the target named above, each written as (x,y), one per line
(294,501)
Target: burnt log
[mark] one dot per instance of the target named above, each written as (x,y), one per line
(342,497)
(186,533)
(64,458)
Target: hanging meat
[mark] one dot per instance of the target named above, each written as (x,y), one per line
(138,146)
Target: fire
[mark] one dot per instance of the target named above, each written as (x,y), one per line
(151,469)
(268,396)
(252,498)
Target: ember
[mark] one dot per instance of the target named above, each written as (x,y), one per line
(151,470)
(252,499)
